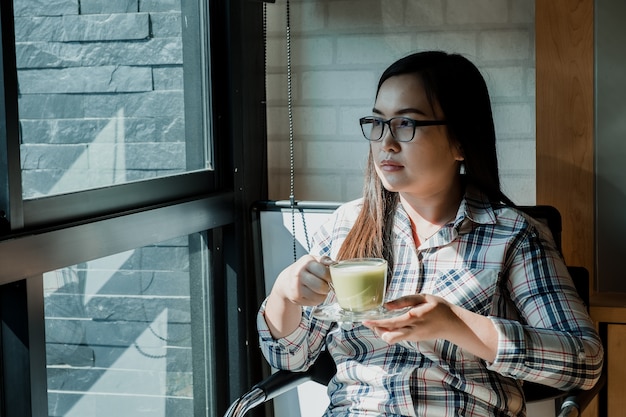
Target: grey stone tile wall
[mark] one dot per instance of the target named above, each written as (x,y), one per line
(118,335)
(95,79)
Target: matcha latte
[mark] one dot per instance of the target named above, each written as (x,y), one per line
(360,283)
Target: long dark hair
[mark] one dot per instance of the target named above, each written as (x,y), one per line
(458,86)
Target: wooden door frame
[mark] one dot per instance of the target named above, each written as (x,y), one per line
(565,121)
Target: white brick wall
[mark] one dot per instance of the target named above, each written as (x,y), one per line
(339,49)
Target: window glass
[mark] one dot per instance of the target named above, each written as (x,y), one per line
(121,332)
(106,94)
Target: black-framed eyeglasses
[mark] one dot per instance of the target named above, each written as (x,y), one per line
(402,128)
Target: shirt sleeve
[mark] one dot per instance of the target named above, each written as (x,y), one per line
(554,341)
(298,351)
(288,352)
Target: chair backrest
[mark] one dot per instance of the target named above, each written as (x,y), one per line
(548,215)
(276,224)
(274,245)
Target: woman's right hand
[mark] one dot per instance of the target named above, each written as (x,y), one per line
(306,282)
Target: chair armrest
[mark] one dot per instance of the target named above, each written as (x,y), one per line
(282,381)
(573,402)
(578,400)
(321,372)
(538,392)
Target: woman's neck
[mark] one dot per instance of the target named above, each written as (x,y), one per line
(429,214)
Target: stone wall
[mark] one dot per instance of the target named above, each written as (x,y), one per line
(118,335)
(339,49)
(100,92)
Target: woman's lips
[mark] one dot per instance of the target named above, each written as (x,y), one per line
(389,165)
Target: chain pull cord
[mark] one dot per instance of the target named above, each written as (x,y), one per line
(292,197)
(265,65)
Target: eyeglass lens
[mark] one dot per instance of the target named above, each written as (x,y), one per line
(402,129)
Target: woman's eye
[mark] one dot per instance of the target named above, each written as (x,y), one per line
(404,123)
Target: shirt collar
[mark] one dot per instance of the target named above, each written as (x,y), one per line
(476,207)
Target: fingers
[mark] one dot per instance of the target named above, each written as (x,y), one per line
(393,336)
(406,301)
(327,261)
(414,300)
(428,318)
(395,330)
(389,324)
(314,282)
(305,282)
(320,280)
(392,330)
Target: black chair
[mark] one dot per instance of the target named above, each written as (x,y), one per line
(567,403)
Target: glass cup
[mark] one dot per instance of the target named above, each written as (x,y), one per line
(359,283)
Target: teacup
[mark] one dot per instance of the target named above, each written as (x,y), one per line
(359,283)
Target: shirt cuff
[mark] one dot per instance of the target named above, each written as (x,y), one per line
(511,353)
(291,343)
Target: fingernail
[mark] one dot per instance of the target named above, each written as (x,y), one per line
(327,261)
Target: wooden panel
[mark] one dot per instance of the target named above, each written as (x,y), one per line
(592,409)
(564,82)
(608,308)
(616,345)
(608,314)
(565,125)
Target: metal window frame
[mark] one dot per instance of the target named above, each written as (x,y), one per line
(57,231)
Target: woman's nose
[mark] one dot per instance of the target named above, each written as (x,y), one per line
(388,142)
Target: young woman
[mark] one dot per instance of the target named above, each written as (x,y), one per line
(491,301)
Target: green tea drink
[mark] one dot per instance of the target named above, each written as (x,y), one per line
(360,283)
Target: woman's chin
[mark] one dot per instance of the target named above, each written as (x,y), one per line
(392,187)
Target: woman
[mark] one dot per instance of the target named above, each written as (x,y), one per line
(491,300)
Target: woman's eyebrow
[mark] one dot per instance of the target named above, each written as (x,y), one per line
(410,110)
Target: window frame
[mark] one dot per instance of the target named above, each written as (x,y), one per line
(57,231)
(28,214)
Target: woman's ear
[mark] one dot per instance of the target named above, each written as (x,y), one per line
(460,155)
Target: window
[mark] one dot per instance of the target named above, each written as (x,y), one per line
(121,331)
(104,92)
(100,168)
(110,94)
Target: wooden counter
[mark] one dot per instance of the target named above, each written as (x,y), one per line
(609,311)
(608,307)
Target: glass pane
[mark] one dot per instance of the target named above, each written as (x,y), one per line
(109,92)
(123,332)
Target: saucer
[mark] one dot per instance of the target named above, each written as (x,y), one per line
(332,312)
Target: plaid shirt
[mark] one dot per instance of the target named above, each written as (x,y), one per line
(495,262)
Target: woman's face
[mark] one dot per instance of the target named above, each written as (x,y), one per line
(429,164)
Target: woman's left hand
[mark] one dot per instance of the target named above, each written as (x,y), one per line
(432,317)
